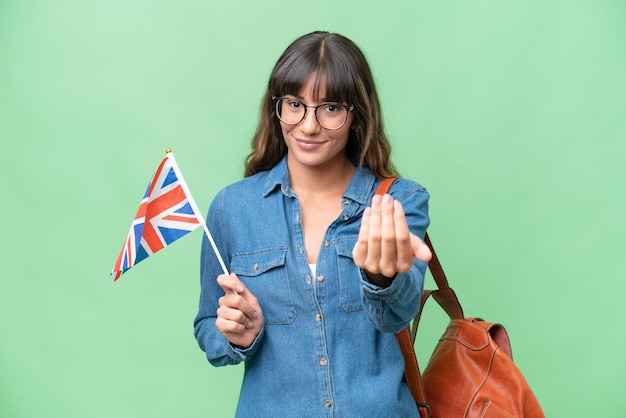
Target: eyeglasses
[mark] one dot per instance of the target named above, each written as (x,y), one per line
(330,115)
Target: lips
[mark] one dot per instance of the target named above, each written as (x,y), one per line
(308,145)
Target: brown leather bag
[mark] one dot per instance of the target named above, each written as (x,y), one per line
(471,371)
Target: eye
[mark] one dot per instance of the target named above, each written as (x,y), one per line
(294,104)
(332,107)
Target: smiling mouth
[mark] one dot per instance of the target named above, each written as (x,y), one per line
(306,142)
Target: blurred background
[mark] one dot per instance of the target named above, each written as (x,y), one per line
(510,113)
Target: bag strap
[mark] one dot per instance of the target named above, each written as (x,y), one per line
(405,340)
(444,294)
(445,297)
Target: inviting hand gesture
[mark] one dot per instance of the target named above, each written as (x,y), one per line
(385,245)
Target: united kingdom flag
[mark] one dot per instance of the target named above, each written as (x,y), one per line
(167,212)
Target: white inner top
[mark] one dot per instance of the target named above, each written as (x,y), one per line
(313,267)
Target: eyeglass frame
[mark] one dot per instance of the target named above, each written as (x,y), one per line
(349,109)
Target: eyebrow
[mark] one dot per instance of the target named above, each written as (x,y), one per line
(323,100)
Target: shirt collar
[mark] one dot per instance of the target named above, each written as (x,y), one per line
(359,189)
(277,176)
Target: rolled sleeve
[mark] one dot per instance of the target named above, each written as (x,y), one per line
(393,307)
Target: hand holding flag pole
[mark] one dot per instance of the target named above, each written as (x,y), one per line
(167,212)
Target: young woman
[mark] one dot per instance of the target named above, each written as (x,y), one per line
(322,272)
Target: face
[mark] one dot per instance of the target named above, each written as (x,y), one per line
(308,143)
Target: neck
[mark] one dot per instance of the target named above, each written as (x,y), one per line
(324,179)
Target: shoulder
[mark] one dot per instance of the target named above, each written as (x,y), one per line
(403,188)
(242,190)
(415,202)
(260,184)
(250,185)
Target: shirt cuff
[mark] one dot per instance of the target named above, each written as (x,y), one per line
(244,354)
(371,289)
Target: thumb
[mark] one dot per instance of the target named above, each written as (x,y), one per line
(420,249)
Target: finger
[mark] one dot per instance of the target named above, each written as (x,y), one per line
(227,313)
(227,327)
(230,283)
(404,250)
(359,252)
(374,235)
(238,296)
(420,249)
(388,251)
(250,305)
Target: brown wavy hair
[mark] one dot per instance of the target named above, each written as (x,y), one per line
(339,64)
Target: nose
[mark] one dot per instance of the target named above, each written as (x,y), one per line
(310,124)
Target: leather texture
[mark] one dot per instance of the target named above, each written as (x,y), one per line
(471,373)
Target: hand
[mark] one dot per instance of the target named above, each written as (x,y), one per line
(385,245)
(239,316)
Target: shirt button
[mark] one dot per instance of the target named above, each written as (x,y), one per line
(345,217)
(326,243)
(328,403)
(255,267)
(318,317)
(323,362)
(300,250)
(308,279)
(346,202)
(320,278)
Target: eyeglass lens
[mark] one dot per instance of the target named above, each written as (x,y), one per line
(329,115)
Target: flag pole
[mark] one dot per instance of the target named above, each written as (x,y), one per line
(195,209)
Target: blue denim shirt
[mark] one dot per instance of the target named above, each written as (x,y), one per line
(327,347)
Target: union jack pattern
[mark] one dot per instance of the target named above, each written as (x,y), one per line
(166,213)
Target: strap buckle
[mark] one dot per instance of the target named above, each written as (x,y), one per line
(425,406)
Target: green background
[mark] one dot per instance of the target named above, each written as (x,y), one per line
(510,113)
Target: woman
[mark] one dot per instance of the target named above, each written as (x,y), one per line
(322,273)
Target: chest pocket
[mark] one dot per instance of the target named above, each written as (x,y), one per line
(264,273)
(349,276)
